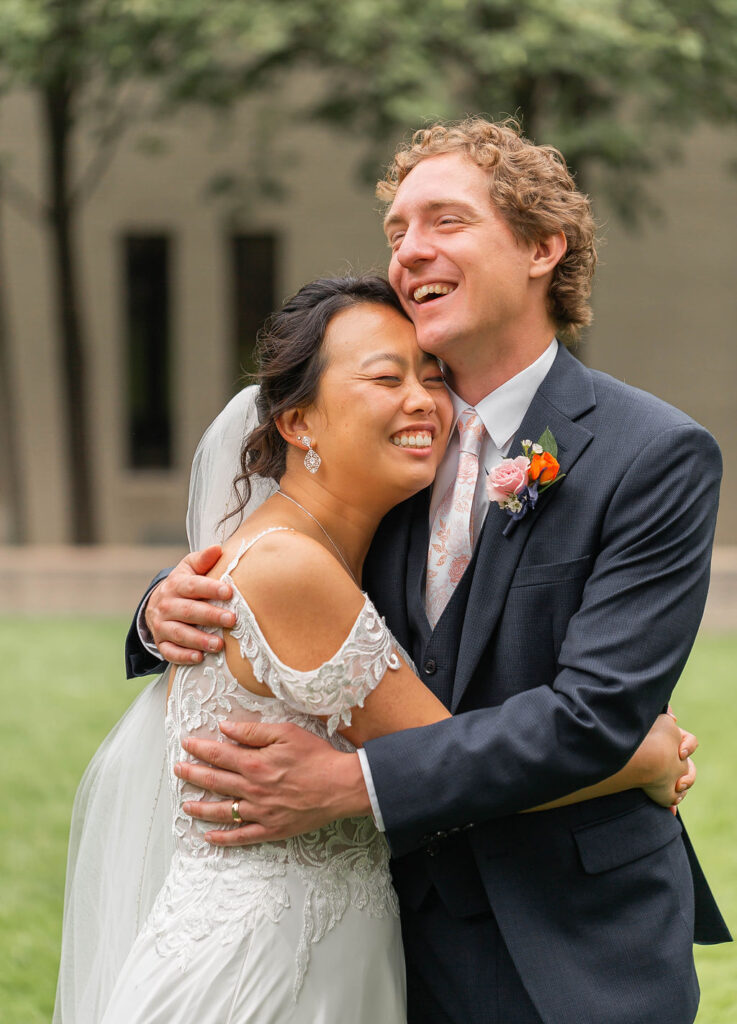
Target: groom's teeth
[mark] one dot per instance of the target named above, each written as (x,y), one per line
(431,289)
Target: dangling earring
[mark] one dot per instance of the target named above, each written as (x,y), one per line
(312,459)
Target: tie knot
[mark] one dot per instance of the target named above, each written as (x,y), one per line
(471,431)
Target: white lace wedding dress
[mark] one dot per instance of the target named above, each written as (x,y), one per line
(305,930)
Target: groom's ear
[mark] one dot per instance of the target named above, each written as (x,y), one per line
(547,253)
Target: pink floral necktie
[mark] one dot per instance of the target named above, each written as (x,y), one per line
(451,540)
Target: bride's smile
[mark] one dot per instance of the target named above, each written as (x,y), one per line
(382,414)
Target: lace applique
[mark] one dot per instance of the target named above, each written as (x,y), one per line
(347,867)
(225,891)
(338,685)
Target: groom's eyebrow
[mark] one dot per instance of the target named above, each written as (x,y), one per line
(432,206)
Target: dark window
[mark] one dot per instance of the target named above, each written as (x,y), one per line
(253,276)
(147,312)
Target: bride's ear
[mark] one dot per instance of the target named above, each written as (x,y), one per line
(292,427)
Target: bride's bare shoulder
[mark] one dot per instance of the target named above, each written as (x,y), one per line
(301,595)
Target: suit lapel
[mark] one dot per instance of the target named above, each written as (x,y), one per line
(416,563)
(566,393)
(386,571)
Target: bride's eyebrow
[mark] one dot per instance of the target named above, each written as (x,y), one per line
(380,357)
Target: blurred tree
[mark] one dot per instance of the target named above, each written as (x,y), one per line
(615,84)
(10,469)
(88,62)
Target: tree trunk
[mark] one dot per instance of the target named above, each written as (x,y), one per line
(10,456)
(56,100)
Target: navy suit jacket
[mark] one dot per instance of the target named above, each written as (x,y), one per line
(576,624)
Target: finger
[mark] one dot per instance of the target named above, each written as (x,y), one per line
(246,835)
(218,811)
(195,611)
(196,588)
(204,560)
(687,779)
(211,779)
(689,744)
(220,755)
(253,734)
(181,635)
(178,655)
(671,712)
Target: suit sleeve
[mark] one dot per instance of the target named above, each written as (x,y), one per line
(138,660)
(622,655)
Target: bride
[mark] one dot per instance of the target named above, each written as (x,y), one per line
(161,925)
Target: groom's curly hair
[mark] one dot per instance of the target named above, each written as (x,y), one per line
(534,192)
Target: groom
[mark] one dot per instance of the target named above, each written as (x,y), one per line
(555,649)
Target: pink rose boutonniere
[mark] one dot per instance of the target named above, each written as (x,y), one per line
(516,484)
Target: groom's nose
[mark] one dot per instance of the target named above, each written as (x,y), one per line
(416,247)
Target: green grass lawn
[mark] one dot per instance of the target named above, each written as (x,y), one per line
(62,688)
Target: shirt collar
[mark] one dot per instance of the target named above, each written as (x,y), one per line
(503,409)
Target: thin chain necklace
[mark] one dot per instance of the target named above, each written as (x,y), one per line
(337,550)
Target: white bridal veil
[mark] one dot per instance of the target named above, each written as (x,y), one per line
(120,840)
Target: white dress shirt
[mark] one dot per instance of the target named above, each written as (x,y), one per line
(501,412)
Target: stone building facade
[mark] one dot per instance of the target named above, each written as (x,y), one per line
(174,282)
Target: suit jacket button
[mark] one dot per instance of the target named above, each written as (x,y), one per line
(430,666)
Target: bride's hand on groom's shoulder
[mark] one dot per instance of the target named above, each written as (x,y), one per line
(179,604)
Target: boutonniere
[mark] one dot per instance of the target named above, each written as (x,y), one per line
(516,484)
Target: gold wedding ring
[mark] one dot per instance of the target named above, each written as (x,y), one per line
(235,813)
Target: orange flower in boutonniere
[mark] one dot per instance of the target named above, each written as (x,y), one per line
(516,484)
(543,466)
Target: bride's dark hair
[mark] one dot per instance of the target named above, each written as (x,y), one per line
(290,360)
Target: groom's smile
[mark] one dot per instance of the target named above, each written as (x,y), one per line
(430,292)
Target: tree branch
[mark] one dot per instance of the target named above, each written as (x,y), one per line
(100,162)
(21,197)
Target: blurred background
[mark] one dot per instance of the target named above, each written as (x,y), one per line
(170,170)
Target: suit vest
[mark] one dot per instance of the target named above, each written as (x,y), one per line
(448,864)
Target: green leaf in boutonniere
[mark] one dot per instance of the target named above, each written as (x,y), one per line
(548,443)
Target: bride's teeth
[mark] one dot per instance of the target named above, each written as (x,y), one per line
(412,440)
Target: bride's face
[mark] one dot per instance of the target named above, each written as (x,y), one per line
(383,409)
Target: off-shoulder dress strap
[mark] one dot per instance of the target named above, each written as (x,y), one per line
(246,545)
(340,683)
(335,687)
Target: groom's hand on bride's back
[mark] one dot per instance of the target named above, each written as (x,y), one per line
(283,780)
(180,604)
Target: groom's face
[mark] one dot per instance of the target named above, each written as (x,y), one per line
(460,273)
